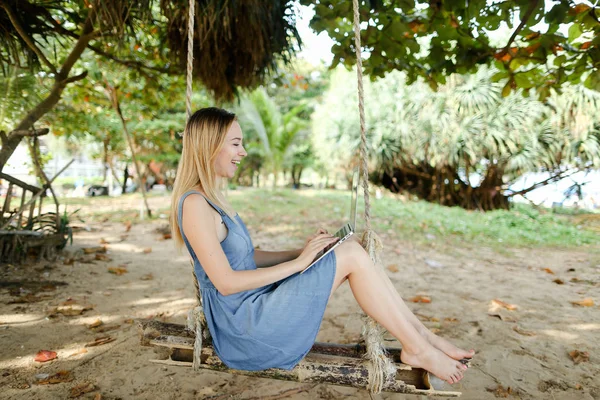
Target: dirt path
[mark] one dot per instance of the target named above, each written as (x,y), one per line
(523,353)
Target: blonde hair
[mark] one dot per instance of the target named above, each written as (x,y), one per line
(203,138)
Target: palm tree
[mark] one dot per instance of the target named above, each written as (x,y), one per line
(464,143)
(275,130)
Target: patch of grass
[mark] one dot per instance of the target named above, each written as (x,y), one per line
(419,221)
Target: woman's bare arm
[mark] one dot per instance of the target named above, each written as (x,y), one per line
(264,258)
(197,223)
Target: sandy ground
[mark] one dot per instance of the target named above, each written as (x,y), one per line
(521,353)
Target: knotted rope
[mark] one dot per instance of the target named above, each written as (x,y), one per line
(382,369)
(190,58)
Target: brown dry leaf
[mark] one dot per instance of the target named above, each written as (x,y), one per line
(589,302)
(559,281)
(502,304)
(82,388)
(102,257)
(548,270)
(147,277)
(167,236)
(127,226)
(78,352)
(95,324)
(59,377)
(70,308)
(45,355)
(129,321)
(579,356)
(523,332)
(91,250)
(393,268)
(502,317)
(100,341)
(420,299)
(147,250)
(500,391)
(450,319)
(98,396)
(103,241)
(117,270)
(106,328)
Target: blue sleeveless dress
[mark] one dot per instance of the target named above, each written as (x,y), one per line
(273,326)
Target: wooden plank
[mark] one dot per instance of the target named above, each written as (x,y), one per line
(326,362)
(23,195)
(6,207)
(19,183)
(21,233)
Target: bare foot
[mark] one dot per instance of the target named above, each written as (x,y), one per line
(448,348)
(436,362)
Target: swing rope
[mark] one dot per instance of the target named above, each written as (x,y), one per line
(381,368)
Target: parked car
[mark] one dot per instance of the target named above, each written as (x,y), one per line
(97,190)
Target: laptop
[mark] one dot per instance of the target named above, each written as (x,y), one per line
(345,231)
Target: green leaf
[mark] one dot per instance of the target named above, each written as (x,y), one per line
(574,32)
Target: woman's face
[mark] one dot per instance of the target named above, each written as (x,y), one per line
(231,153)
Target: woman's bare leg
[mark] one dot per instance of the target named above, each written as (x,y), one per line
(437,341)
(375,299)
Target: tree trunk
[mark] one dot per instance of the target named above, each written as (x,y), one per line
(61,80)
(113,97)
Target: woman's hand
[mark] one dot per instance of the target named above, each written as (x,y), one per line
(311,237)
(314,245)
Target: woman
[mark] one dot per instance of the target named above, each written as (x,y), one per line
(260,311)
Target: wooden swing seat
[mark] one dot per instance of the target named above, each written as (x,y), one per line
(337,364)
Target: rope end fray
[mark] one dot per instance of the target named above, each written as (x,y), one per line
(195,320)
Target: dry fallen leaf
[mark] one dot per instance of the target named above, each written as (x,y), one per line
(106,328)
(100,341)
(147,250)
(420,299)
(548,270)
(500,303)
(82,388)
(90,250)
(589,302)
(78,352)
(147,277)
(98,396)
(59,377)
(102,257)
(500,391)
(450,320)
(103,241)
(167,236)
(70,308)
(129,321)
(393,268)
(127,226)
(45,355)
(523,332)
(559,281)
(117,270)
(95,324)
(579,356)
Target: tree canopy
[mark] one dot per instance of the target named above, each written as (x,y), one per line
(236,44)
(433,39)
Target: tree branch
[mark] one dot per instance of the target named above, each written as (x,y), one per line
(526,17)
(558,176)
(19,28)
(131,63)
(31,133)
(76,78)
